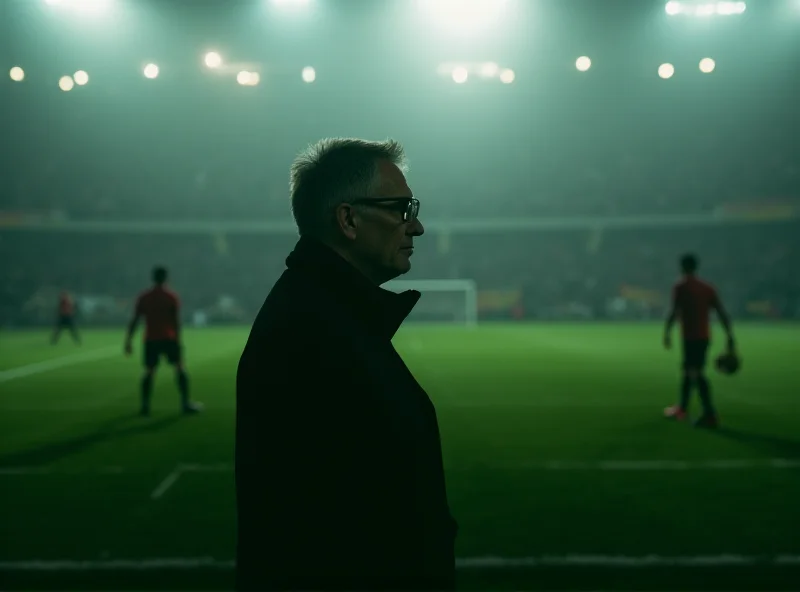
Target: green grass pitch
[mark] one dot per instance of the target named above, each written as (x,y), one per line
(561,470)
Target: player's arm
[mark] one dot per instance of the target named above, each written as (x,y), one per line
(725,320)
(134,323)
(177,318)
(671,318)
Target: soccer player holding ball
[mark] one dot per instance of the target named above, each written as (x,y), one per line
(692,301)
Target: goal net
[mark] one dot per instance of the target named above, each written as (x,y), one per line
(443,301)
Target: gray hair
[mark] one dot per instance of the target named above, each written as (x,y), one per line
(333,171)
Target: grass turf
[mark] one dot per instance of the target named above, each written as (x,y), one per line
(80,469)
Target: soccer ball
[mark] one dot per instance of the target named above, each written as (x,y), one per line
(728,363)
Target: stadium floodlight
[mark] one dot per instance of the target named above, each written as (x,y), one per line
(463,16)
(151,71)
(460,75)
(707,65)
(66,83)
(246,78)
(705,9)
(309,74)
(730,8)
(17,74)
(507,76)
(666,71)
(583,63)
(213,59)
(81,78)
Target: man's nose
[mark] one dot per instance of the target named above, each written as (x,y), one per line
(415,228)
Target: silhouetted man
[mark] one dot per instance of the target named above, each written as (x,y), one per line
(339,476)
(692,302)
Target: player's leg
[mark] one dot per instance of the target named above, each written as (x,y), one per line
(175,357)
(152,353)
(57,331)
(688,381)
(709,417)
(73,329)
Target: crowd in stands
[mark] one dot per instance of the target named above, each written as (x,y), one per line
(620,181)
(552,269)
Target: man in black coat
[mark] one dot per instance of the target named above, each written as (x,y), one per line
(339,476)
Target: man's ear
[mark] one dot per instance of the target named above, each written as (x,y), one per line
(347,220)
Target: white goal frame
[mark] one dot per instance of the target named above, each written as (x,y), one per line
(468,287)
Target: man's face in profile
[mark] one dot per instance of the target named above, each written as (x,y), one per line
(385,240)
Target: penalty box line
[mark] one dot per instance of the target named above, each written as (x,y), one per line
(486,562)
(179,470)
(604,466)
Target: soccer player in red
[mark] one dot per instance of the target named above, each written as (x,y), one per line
(160,308)
(692,301)
(66,318)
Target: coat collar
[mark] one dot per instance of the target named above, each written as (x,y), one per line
(382,311)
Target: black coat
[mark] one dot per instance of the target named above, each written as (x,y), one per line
(339,475)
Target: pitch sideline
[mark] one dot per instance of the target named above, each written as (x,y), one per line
(553,465)
(478,563)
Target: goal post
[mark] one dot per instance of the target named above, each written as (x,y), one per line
(453,301)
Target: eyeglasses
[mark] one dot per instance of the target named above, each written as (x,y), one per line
(408,206)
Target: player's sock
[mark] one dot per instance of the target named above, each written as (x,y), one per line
(147,389)
(686,392)
(183,387)
(705,396)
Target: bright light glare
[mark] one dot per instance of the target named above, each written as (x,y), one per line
(583,63)
(81,78)
(507,76)
(666,71)
(151,71)
(707,65)
(246,78)
(705,9)
(309,74)
(292,3)
(83,6)
(213,59)
(489,70)
(460,75)
(17,74)
(729,8)
(464,16)
(66,83)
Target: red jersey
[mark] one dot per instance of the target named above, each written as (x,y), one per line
(693,299)
(159,307)
(66,307)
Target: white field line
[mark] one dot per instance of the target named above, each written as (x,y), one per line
(164,486)
(554,465)
(56,363)
(51,471)
(114,401)
(484,562)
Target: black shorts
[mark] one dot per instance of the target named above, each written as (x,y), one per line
(65,322)
(153,350)
(695,354)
